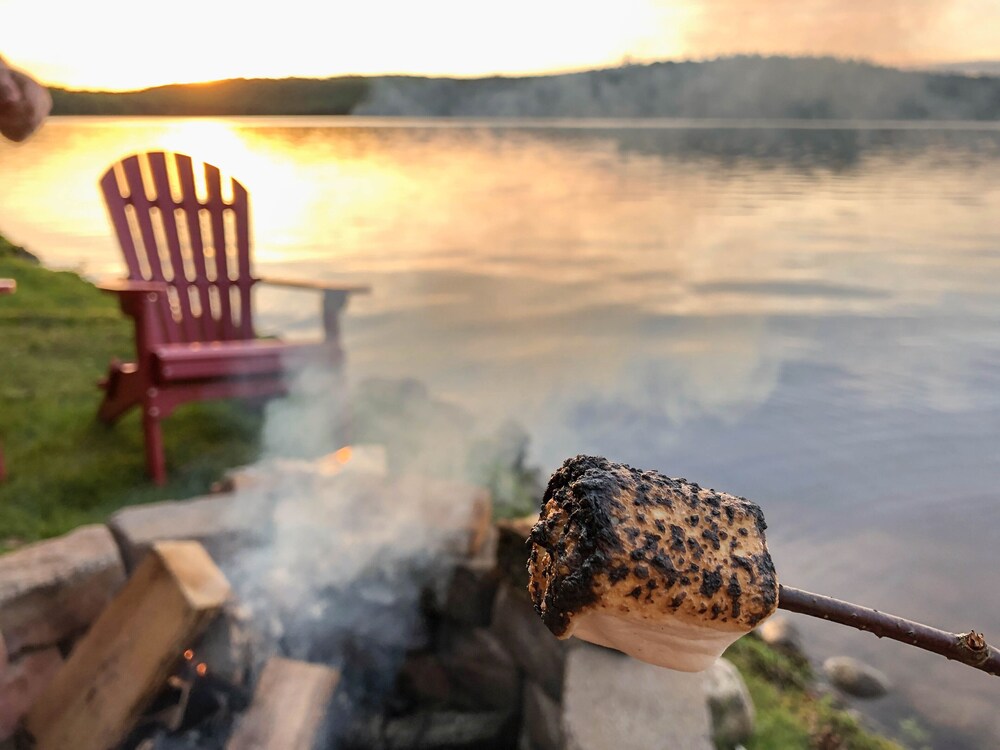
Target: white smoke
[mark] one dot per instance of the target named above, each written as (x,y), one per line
(357,535)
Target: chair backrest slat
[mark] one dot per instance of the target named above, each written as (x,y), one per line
(141,204)
(115,202)
(241,206)
(164,200)
(201,249)
(216,208)
(192,214)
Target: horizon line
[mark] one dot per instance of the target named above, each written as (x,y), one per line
(626,62)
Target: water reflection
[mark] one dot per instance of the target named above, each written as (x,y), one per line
(807,317)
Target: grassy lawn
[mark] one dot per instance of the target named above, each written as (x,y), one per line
(57,334)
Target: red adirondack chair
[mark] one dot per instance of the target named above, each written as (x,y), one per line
(189,290)
(7,286)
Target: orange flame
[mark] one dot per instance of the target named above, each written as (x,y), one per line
(189,654)
(343,455)
(201,669)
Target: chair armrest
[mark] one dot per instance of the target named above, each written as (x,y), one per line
(128,286)
(146,302)
(8,286)
(318,286)
(335,297)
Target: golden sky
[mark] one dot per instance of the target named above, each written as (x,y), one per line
(122,44)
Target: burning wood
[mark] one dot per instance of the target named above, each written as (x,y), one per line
(129,651)
(289,707)
(672,574)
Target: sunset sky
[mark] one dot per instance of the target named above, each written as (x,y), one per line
(123,44)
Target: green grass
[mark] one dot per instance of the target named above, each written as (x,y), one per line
(789,714)
(57,335)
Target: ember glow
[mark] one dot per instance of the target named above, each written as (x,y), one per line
(334,462)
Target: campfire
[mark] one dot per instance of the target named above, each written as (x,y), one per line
(321,603)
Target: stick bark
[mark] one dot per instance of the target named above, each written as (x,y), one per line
(969,648)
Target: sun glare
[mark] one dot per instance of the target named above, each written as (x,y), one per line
(203,41)
(199,41)
(271,176)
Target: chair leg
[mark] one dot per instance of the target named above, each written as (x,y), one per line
(153,432)
(123,389)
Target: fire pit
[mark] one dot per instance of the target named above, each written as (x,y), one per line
(343,606)
(315,604)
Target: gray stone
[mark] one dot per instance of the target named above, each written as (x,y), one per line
(53,590)
(423,680)
(482,674)
(222,523)
(512,549)
(855,677)
(541,720)
(470,593)
(434,730)
(614,702)
(729,704)
(533,647)
(781,633)
(22,682)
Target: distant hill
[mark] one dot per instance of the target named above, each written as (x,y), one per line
(736,87)
(971,68)
(238,96)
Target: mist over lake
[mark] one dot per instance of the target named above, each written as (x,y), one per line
(807,316)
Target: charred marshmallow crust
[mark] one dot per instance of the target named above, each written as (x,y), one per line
(643,544)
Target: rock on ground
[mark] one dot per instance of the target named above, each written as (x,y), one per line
(54,589)
(520,630)
(541,720)
(512,549)
(614,702)
(730,705)
(855,677)
(482,675)
(221,523)
(434,730)
(781,633)
(21,683)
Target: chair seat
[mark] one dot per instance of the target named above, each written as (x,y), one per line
(236,359)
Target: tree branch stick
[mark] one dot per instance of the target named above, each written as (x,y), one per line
(969,648)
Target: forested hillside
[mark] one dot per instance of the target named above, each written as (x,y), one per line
(737,87)
(261,96)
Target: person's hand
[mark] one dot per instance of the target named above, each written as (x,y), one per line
(10,94)
(24,104)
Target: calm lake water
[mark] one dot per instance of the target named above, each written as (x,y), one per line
(808,317)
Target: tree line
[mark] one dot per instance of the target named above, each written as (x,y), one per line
(735,87)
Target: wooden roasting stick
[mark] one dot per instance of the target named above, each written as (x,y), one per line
(969,648)
(672,573)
